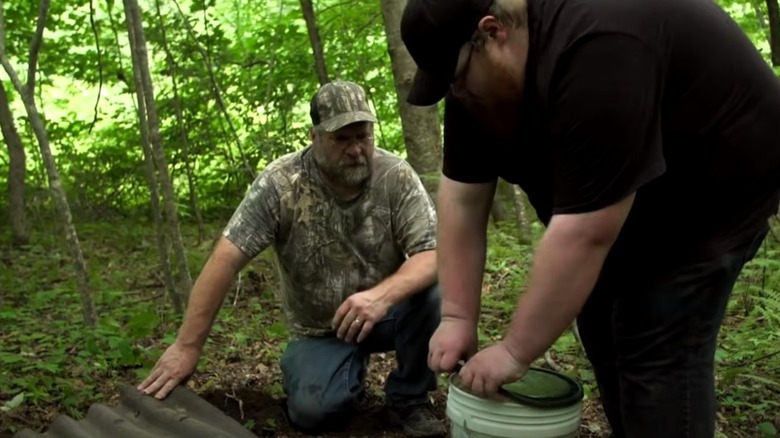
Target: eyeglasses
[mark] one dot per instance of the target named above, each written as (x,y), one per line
(345,141)
(457,86)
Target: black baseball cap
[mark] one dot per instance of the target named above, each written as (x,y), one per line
(433,32)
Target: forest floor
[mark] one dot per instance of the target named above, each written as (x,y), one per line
(61,367)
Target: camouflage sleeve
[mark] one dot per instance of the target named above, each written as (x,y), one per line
(255,222)
(414,215)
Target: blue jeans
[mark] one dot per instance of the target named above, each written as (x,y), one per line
(650,332)
(323,377)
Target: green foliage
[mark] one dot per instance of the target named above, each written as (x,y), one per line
(258,56)
(752,18)
(47,355)
(749,353)
(56,360)
(49,359)
(767,430)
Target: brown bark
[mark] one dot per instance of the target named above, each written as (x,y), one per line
(58,193)
(773,11)
(316,43)
(16,173)
(141,59)
(422,134)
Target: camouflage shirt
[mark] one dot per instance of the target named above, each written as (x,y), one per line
(327,249)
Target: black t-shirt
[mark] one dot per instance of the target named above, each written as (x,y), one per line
(665,98)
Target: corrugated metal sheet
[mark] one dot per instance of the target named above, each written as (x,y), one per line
(182,414)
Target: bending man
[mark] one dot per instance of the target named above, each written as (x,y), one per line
(645,133)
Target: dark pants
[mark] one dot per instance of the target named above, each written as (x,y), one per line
(323,376)
(651,340)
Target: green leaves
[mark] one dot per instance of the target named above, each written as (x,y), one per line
(767,430)
(10,358)
(142,324)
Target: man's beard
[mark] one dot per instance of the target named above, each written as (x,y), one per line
(348,172)
(512,83)
(501,112)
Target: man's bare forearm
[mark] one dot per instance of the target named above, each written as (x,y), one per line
(461,264)
(562,277)
(416,274)
(208,293)
(462,242)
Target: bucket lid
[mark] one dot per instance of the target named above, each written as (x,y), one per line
(544,389)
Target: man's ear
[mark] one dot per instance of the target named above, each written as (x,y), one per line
(312,134)
(493,29)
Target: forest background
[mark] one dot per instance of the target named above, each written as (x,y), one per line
(133,129)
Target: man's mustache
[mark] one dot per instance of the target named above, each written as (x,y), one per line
(354,161)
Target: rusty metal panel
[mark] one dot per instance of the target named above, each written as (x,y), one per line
(182,414)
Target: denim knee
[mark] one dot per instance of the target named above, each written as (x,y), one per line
(321,377)
(314,413)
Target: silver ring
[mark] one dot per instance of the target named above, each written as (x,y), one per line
(356,321)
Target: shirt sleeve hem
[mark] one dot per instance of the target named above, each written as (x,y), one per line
(650,174)
(469,179)
(430,246)
(248,250)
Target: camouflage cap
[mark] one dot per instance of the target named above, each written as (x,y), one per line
(339,103)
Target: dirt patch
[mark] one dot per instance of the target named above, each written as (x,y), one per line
(249,404)
(263,412)
(268,417)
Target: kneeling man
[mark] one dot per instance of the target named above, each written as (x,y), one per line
(353,231)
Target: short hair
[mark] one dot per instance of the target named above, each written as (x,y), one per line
(514,12)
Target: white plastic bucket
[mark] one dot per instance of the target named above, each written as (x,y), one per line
(475,417)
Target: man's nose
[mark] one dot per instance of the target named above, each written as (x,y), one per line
(354,149)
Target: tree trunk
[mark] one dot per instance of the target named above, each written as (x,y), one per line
(523,223)
(185,140)
(140,58)
(58,193)
(17,168)
(316,43)
(497,210)
(503,202)
(774,30)
(422,135)
(151,179)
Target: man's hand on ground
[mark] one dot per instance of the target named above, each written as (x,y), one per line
(453,340)
(177,363)
(356,316)
(492,367)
